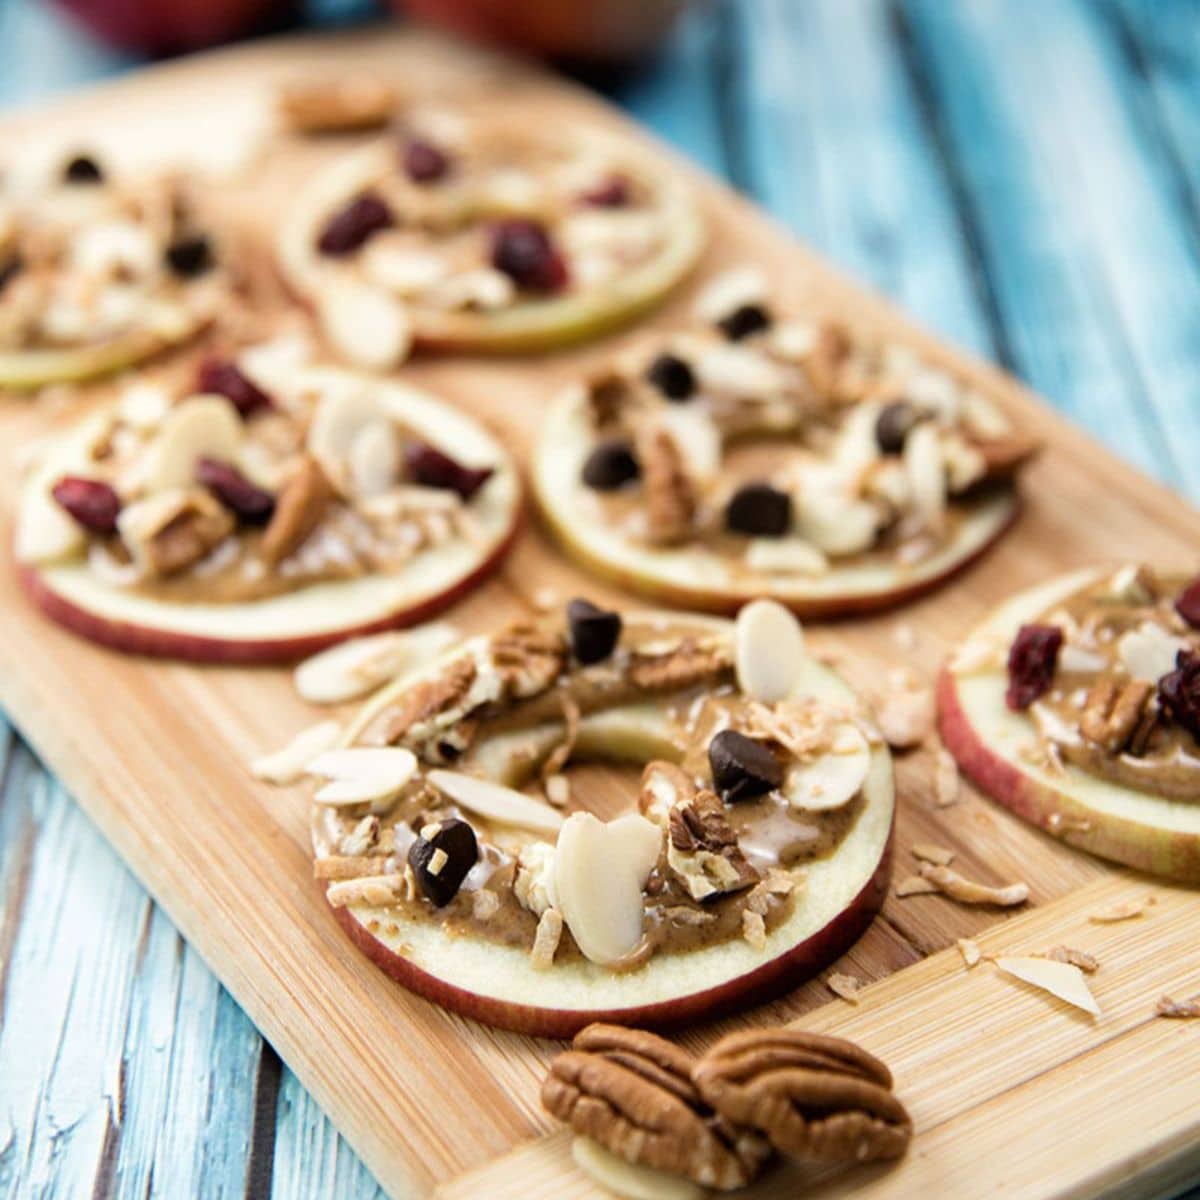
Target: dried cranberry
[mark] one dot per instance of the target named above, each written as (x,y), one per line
(430,467)
(93,503)
(613,192)
(1031,662)
(351,226)
(522,249)
(1179,692)
(672,376)
(744,322)
(10,269)
(190,255)
(83,169)
(222,377)
(1187,604)
(424,162)
(248,502)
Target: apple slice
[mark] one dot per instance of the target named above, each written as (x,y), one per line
(996,748)
(529,325)
(294,624)
(697,577)
(496,983)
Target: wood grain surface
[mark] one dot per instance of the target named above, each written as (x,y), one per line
(155,753)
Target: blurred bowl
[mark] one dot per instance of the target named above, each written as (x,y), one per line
(172,26)
(581,30)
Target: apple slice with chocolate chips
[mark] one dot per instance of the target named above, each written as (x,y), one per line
(722,880)
(472,232)
(1077,705)
(262,514)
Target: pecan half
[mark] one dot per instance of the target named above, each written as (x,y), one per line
(199,525)
(426,701)
(683,666)
(1114,712)
(704,851)
(671,501)
(528,659)
(813,1097)
(632,1093)
(298,511)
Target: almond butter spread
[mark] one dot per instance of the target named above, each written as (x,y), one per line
(736,795)
(1111,677)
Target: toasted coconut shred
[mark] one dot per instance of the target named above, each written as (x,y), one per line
(933,878)
(940,856)
(1086,962)
(1179,1010)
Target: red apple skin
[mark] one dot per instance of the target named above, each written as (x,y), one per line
(764,983)
(1160,852)
(824,608)
(172,26)
(158,643)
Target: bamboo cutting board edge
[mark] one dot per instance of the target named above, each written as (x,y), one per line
(205,885)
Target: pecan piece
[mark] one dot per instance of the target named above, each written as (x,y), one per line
(1114,711)
(813,1097)
(682,667)
(420,704)
(528,659)
(704,851)
(298,511)
(188,537)
(670,496)
(632,1093)
(1004,456)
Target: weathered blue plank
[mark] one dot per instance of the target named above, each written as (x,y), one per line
(1090,269)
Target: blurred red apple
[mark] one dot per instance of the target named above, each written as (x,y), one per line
(171,26)
(596,30)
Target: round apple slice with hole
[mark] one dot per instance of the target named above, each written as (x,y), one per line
(1004,753)
(443,489)
(450,291)
(604,910)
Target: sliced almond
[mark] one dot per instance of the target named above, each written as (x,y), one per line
(1072,658)
(971,954)
(375,459)
(630,1180)
(785,556)
(969,891)
(1059,979)
(339,418)
(836,524)
(354,668)
(939,856)
(905,716)
(846,987)
(926,475)
(833,779)
(290,762)
(768,651)
(504,805)
(46,533)
(1149,651)
(740,371)
(914,885)
(599,873)
(362,774)
(1127,910)
(200,427)
(697,437)
(730,291)
(364,324)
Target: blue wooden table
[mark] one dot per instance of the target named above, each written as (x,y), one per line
(1022,175)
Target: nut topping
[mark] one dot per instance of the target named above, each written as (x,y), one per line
(1114,711)
(298,511)
(632,1093)
(528,659)
(434,702)
(670,496)
(703,848)
(813,1097)
(686,665)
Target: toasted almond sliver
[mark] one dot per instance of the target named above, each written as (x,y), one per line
(1086,962)
(846,987)
(289,763)
(367,789)
(914,885)
(1059,979)
(940,856)
(376,889)
(1180,1010)
(356,762)
(351,669)
(754,929)
(971,954)
(546,939)
(968,891)
(1126,911)
(496,802)
(558,790)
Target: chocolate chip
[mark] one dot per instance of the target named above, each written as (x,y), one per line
(349,228)
(83,169)
(672,376)
(744,321)
(424,162)
(441,857)
(611,465)
(1032,660)
(759,510)
(223,377)
(742,768)
(594,631)
(92,503)
(431,467)
(10,268)
(1179,692)
(190,255)
(251,504)
(1187,603)
(613,192)
(893,425)
(523,250)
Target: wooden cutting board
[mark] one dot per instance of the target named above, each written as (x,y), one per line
(1011,1092)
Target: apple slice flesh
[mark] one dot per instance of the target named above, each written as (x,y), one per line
(993,747)
(496,983)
